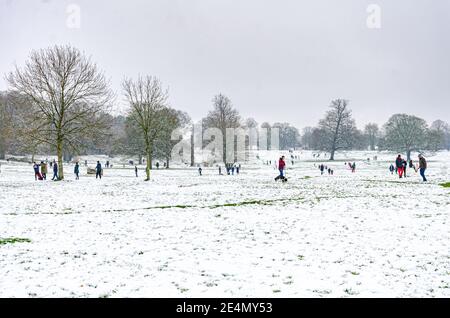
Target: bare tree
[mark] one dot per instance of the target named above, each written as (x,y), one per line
(223,116)
(67,96)
(289,137)
(371,132)
(6,124)
(441,130)
(306,137)
(405,133)
(337,128)
(148,102)
(172,119)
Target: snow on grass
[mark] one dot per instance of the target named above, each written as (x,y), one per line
(362,234)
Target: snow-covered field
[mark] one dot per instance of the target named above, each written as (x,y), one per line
(363,234)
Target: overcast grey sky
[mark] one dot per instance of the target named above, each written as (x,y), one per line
(277,60)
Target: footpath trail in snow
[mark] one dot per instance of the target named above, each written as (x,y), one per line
(366,234)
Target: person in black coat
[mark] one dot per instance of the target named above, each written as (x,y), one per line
(98,170)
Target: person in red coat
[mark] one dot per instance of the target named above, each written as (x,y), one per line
(281,165)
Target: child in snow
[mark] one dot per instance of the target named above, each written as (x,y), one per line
(391,169)
(37,174)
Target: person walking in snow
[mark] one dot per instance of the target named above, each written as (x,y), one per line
(200,171)
(281,166)
(55,171)
(322,168)
(391,168)
(44,170)
(422,167)
(37,174)
(98,170)
(399,166)
(354,167)
(76,170)
(136,171)
(405,165)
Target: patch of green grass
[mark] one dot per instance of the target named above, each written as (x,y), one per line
(446,184)
(12,240)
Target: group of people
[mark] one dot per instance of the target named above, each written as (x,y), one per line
(401,166)
(324,168)
(230,168)
(40,170)
(352,166)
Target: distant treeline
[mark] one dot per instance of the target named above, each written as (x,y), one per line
(59,102)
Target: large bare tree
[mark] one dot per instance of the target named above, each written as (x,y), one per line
(337,128)
(371,132)
(148,102)
(406,133)
(67,95)
(6,124)
(223,116)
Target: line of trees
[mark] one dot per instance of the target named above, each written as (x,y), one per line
(401,133)
(60,102)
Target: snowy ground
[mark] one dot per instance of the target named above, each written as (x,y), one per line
(366,234)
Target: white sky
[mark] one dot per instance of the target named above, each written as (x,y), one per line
(277,60)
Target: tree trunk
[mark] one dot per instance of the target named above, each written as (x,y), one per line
(59,152)
(332,154)
(148,166)
(148,152)
(192,149)
(167,162)
(408,155)
(2,152)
